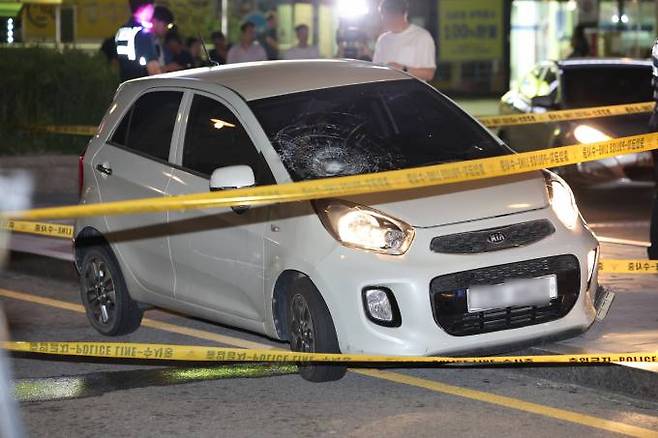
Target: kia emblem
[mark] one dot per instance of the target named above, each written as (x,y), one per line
(496,238)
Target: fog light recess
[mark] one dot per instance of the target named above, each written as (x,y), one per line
(381,307)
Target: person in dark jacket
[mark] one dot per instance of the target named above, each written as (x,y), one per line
(180,57)
(219,52)
(579,43)
(653,126)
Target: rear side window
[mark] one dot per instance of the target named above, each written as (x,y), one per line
(215,138)
(148,126)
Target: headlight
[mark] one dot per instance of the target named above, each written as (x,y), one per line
(356,226)
(586,134)
(562,200)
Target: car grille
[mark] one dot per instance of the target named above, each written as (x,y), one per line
(448,296)
(493,239)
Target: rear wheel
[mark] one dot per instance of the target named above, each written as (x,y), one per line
(311,330)
(104,294)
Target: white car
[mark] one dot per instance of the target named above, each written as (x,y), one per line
(484,265)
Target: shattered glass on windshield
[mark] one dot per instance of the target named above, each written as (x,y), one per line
(336,144)
(367,128)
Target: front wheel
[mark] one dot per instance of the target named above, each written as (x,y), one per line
(104,294)
(311,330)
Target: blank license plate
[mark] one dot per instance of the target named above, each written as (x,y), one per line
(536,291)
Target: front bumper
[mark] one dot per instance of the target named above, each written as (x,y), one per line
(345,273)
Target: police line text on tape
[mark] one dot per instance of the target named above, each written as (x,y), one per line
(40,228)
(402,179)
(566,115)
(193,353)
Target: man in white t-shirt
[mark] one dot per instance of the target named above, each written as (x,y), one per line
(302,50)
(248,49)
(404,46)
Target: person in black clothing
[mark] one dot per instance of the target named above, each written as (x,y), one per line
(163,23)
(579,44)
(269,39)
(181,58)
(653,127)
(220,51)
(194,47)
(134,44)
(109,49)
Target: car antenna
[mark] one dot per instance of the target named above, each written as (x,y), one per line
(205,50)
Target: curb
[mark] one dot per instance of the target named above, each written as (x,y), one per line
(627,380)
(52,174)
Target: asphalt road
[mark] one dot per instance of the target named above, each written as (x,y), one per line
(92,398)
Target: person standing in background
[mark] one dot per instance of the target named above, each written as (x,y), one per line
(163,22)
(248,50)
(269,39)
(404,46)
(109,49)
(579,43)
(653,127)
(302,50)
(220,51)
(181,58)
(194,48)
(135,47)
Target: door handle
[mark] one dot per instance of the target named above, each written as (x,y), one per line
(103,168)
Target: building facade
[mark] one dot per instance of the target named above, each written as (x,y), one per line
(482,45)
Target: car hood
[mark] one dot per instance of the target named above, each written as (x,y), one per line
(463,202)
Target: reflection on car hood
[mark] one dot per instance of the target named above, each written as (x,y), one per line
(621,126)
(464,202)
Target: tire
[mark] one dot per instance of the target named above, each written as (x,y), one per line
(320,337)
(108,305)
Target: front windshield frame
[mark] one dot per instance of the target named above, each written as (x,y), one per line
(277,126)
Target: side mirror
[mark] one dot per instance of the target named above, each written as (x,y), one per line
(232,177)
(547,101)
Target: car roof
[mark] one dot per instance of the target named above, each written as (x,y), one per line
(575,63)
(258,80)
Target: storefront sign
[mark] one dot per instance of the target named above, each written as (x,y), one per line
(471,30)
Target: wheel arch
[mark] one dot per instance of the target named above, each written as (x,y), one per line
(87,237)
(280,299)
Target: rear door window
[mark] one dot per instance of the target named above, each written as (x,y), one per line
(148,126)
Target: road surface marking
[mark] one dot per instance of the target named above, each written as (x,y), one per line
(511,403)
(431,385)
(151,323)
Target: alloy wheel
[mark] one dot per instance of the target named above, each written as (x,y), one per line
(100,291)
(302,334)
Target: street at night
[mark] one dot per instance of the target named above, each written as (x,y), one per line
(276,218)
(41,301)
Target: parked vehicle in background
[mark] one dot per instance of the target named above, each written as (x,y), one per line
(399,273)
(582,83)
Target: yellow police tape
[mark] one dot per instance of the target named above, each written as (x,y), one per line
(566,115)
(83,130)
(612,266)
(40,228)
(119,350)
(608,266)
(490,122)
(403,179)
